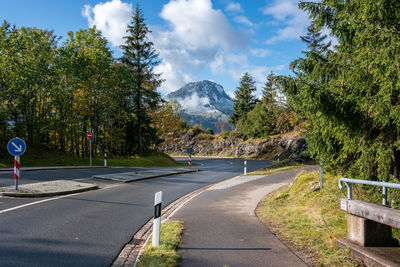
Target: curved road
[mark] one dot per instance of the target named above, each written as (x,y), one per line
(91,228)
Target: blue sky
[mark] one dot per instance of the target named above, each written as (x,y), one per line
(197,40)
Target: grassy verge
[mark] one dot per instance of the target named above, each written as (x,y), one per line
(165,255)
(41,157)
(279,167)
(310,221)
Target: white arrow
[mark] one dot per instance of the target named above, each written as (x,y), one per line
(17,148)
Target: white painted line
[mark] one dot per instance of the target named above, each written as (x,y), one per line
(37,202)
(50,199)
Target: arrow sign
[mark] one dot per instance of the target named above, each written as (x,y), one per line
(16,146)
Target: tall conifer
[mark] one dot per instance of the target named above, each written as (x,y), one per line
(245,99)
(139,58)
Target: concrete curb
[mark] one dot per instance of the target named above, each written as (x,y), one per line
(49,194)
(27,169)
(145,177)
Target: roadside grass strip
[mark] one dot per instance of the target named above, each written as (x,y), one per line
(42,157)
(279,167)
(309,221)
(165,255)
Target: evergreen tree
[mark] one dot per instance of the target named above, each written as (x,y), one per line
(350,97)
(140,58)
(245,99)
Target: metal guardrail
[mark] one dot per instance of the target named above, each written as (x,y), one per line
(384,185)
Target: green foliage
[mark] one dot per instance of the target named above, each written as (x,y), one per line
(210,131)
(139,59)
(52,94)
(350,96)
(270,116)
(245,99)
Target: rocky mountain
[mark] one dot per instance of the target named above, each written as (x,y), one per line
(204,103)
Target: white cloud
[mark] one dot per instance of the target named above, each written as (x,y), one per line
(111,18)
(260,52)
(234,7)
(197,34)
(244,20)
(194,103)
(199,26)
(294,21)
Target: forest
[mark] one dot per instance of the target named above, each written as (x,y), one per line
(345,97)
(53,94)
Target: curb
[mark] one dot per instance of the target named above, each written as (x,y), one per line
(49,194)
(28,169)
(148,177)
(130,253)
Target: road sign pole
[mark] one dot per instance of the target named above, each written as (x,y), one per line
(90,151)
(157,219)
(16,171)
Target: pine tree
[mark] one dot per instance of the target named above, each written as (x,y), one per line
(245,99)
(140,58)
(350,97)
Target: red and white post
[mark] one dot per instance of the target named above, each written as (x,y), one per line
(16,170)
(190,161)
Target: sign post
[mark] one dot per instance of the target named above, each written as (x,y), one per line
(16,147)
(190,151)
(157,219)
(89,136)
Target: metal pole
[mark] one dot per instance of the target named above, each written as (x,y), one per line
(157,219)
(90,151)
(245,167)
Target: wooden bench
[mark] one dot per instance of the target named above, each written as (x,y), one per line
(369,232)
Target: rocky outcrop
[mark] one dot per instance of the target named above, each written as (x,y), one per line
(289,147)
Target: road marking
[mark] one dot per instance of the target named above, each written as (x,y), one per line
(37,202)
(50,199)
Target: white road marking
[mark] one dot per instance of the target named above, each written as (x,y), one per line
(36,202)
(50,199)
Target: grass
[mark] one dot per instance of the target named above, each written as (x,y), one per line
(46,157)
(308,220)
(165,255)
(278,167)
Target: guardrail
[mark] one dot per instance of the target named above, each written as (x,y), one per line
(384,185)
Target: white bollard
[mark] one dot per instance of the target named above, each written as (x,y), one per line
(245,167)
(157,219)
(105,159)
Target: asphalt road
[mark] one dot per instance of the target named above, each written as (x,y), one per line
(90,229)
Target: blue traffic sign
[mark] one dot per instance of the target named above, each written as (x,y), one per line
(16,146)
(190,151)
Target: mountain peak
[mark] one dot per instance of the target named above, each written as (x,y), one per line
(206,100)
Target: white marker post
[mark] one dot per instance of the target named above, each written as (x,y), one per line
(105,159)
(157,219)
(190,161)
(245,167)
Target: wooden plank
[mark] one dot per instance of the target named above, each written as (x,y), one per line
(374,212)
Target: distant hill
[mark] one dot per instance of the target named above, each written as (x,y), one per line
(204,103)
